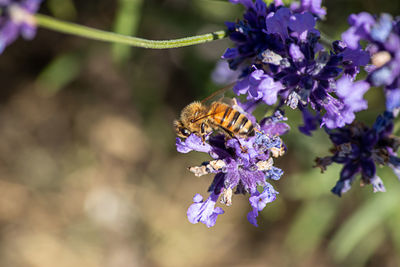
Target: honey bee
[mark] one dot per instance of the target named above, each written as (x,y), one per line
(201,119)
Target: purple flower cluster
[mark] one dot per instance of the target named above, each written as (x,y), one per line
(282,61)
(16,19)
(360,149)
(241,165)
(312,6)
(278,58)
(383,37)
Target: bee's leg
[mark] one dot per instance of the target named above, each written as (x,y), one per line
(234,102)
(231,135)
(203,133)
(228,134)
(244,149)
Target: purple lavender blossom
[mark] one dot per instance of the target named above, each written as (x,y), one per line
(204,212)
(282,62)
(258,201)
(383,36)
(360,149)
(311,122)
(222,74)
(312,6)
(351,95)
(17,19)
(193,142)
(259,85)
(241,165)
(360,28)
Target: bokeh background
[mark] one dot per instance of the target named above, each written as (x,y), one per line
(89,174)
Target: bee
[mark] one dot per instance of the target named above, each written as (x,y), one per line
(201,119)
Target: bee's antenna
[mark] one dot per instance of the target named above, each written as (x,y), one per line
(202,117)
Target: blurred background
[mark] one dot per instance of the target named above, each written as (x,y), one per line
(89,174)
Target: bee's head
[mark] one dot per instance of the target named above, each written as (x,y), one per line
(181,130)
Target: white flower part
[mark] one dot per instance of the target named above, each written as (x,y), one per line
(226,196)
(346,186)
(265,165)
(210,167)
(381,58)
(377,183)
(20,16)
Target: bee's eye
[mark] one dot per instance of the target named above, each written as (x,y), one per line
(185,132)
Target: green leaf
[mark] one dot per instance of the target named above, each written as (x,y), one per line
(58,73)
(366,248)
(309,227)
(393,221)
(63,9)
(285,2)
(366,219)
(126,23)
(216,9)
(313,184)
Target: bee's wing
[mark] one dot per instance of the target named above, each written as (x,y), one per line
(218,95)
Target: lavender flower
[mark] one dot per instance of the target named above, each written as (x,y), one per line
(223,75)
(311,122)
(204,212)
(282,62)
(258,201)
(351,96)
(360,149)
(312,6)
(241,165)
(259,85)
(17,19)
(383,35)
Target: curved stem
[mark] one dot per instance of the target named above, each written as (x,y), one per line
(95,34)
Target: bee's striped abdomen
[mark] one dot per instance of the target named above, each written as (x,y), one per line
(231,120)
(243,126)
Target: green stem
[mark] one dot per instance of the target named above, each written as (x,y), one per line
(95,34)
